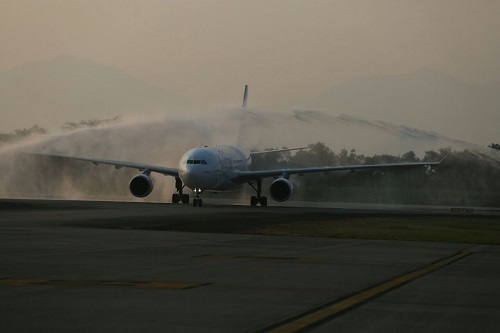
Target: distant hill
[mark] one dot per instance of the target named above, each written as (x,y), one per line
(424,99)
(65,88)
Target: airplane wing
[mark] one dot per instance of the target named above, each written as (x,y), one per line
(174,172)
(246,176)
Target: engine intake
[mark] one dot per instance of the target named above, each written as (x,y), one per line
(281,189)
(141,185)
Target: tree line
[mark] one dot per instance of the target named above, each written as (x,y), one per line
(21,134)
(464,178)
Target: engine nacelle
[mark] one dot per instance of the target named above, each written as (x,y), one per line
(141,185)
(281,189)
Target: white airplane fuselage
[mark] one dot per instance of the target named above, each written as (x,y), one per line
(211,168)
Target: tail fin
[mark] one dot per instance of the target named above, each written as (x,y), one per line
(242,116)
(245,96)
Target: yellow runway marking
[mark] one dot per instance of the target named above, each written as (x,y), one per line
(99,283)
(322,314)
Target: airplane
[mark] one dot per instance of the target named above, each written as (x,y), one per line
(222,168)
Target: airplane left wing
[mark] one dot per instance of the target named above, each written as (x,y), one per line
(277,151)
(246,176)
(174,172)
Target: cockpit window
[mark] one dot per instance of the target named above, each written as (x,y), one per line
(196,162)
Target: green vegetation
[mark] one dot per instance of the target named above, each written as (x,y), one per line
(465,178)
(20,134)
(463,229)
(89,123)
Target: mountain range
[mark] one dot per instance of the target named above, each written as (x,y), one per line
(50,93)
(424,99)
(68,89)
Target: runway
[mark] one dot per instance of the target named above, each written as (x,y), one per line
(127,267)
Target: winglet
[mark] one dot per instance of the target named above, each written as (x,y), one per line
(245,96)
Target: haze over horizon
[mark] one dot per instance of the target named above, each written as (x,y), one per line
(293,54)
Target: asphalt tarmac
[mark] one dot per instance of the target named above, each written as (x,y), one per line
(128,267)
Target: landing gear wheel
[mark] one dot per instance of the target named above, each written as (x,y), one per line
(253,201)
(185,198)
(195,202)
(200,202)
(263,201)
(175,198)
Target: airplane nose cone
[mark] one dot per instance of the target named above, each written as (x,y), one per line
(195,178)
(197,168)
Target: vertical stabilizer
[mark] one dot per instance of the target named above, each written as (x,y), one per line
(245,96)
(242,117)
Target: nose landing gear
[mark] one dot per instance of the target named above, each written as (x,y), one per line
(197,201)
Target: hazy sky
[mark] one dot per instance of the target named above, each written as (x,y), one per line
(204,51)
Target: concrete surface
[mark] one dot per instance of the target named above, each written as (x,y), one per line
(95,267)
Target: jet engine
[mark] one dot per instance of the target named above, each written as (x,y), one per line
(141,185)
(281,189)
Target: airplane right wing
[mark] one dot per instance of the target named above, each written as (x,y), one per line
(174,172)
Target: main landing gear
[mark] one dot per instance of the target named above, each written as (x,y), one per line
(179,196)
(254,200)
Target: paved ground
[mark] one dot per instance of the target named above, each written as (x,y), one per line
(128,267)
